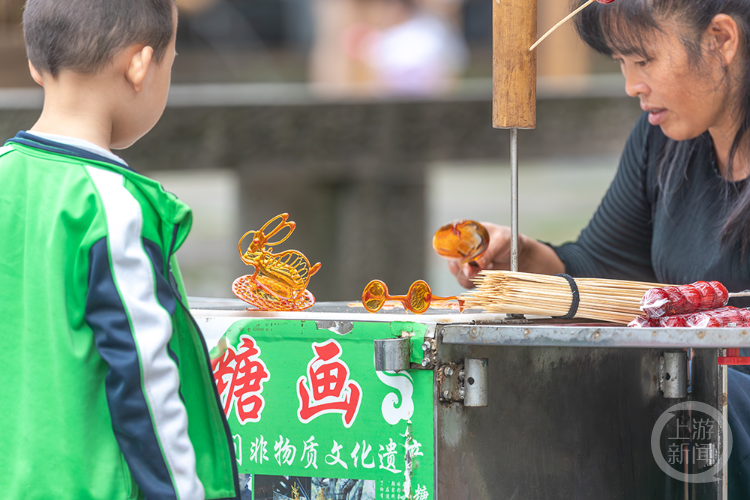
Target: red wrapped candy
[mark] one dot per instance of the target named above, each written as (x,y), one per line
(673,321)
(708,294)
(728,316)
(722,295)
(702,320)
(656,302)
(724,317)
(643,322)
(693,298)
(677,301)
(672,300)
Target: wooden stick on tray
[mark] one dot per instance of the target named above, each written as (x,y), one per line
(524,293)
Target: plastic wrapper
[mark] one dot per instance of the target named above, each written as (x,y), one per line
(708,295)
(685,299)
(723,317)
(673,321)
(643,322)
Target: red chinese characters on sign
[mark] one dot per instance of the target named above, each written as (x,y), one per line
(327,388)
(239,376)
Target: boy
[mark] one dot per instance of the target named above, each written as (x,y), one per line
(105,386)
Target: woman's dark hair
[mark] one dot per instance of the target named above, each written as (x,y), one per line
(623,26)
(85,35)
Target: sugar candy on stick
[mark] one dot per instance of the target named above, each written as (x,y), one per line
(673,321)
(644,322)
(723,317)
(671,300)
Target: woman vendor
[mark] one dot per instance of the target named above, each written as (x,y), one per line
(678,210)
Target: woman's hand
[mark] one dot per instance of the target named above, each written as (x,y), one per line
(533,257)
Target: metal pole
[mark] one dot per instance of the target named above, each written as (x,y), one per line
(514,199)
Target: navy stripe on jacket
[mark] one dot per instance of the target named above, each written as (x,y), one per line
(131,417)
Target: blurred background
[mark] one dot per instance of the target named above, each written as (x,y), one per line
(369,122)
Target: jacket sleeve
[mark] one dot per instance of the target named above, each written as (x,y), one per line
(129,307)
(617,242)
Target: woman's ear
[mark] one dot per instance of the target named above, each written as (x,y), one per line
(138,66)
(723,37)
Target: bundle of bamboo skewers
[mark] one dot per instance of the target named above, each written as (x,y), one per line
(524,293)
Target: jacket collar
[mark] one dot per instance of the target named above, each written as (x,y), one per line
(37,142)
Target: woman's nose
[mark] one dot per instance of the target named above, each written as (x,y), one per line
(635,87)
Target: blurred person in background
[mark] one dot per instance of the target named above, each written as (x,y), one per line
(410,50)
(387,47)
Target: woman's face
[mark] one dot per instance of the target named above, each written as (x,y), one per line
(683,100)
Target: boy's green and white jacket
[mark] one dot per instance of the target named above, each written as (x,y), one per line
(106,390)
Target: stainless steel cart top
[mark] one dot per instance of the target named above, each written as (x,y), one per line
(477,327)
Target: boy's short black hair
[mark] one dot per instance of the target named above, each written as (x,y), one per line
(85,35)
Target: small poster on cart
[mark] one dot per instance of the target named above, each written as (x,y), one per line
(312,419)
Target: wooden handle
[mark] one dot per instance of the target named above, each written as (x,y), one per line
(513,65)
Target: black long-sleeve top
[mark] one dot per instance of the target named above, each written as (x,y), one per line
(635,235)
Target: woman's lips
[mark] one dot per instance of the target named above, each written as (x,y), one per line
(656,116)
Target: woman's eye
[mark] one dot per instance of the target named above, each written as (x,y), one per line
(641,63)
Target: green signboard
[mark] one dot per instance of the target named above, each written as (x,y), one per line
(312,419)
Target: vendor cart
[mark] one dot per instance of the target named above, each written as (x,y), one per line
(469,405)
(337,403)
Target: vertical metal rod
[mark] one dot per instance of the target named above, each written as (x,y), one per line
(514,199)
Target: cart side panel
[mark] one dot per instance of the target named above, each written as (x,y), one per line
(562,422)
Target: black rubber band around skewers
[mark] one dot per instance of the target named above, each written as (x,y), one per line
(576,297)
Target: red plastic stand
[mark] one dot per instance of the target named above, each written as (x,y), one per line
(733,358)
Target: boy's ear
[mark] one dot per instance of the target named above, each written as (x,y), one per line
(138,67)
(36,75)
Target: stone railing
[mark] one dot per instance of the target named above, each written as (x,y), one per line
(351,172)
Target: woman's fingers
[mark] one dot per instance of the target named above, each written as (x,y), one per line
(462,277)
(497,255)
